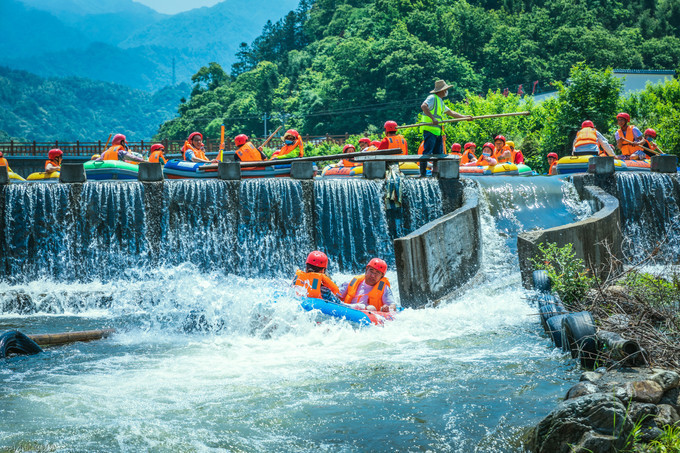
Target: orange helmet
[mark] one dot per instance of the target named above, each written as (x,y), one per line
(240,139)
(391,126)
(118,139)
(317,259)
(623,115)
(455,148)
(650,132)
(348,146)
(378,264)
(157,147)
(54,153)
(587,123)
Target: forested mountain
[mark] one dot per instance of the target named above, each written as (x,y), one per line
(70,109)
(125,42)
(337,66)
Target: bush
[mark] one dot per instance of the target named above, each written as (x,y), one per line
(570,278)
(658,291)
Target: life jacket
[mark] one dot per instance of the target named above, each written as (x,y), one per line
(156,156)
(517,157)
(197,152)
(466,158)
(248,153)
(438,113)
(313,281)
(455,154)
(497,153)
(371,148)
(626,148)
(347,163)
(50,162)
(374,296)
(398,141)
(647,143)
(483,161)
(586,136)
(421,148)
(286,150)
(4,163)
(111,153)
(553,168)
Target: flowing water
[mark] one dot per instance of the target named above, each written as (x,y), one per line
(205,360)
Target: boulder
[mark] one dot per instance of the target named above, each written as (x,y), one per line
(647,391)
(665,378)
(590,376)
(667,415)
(580,389)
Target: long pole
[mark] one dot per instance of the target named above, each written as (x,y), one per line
(266,142)
(268,163)
(455,120)
(641,146)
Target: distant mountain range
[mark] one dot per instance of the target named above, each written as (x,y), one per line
(126,42)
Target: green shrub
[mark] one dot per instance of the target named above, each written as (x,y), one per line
(569,277)
(656,290)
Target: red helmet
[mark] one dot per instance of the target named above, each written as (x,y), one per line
(240,139)
(292,132)
(650,132)
(488,145)
(587,123)
(118,138)
(391,126)
(455,148)
(625,116)
(375,143)
(317,259)
(194,134)
(348,146)
(157,147)
(0,153)
(499,137)
(554,155)
(470,145)
(54,153)
(365,140)
(378,264)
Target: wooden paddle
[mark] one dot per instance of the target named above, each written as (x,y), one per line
(269,139)
(219,156)
(641,146)
(107,143)
(455,120)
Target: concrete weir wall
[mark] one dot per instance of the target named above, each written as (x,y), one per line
(596,240)
(441,255)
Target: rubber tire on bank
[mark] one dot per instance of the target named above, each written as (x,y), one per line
(542,281)
(15,342)
(554,329)
(578,337)
(548,307)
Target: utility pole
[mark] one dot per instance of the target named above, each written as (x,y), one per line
(264,117)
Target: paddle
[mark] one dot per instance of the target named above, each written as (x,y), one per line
(269,139)
(641,146)
(455,120)
(107,144)
(219,156)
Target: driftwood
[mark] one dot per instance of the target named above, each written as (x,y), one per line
(53,339)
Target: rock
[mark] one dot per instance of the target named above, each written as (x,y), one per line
(624,393)
(671,397)
(665,378)
(581,389)
(590,376)
(572,419)
(643,412)
(667,415)
(649,433)
(647,391)
(595,443)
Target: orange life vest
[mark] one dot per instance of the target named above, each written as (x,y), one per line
(313,281)
(398,141)
(515,153)
(4,163)
(374,297)
(647,143)
(347,163)
(626,148)
(370,148)
(156,156)
(421,148)
(111,153)
(50,162)
(287,150)
(586,136)
(248,153)
(553,168)
(455,154)
(497,153)
(466,159)
(197,152)
(483,160)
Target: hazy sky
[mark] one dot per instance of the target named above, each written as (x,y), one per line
(176,6)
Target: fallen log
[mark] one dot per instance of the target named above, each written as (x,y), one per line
(52,339)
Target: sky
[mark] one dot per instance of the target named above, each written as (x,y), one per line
(176,6)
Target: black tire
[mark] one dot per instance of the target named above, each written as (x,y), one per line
(15,342)
(578,337)
(555,329)
(548,307)
(542,281)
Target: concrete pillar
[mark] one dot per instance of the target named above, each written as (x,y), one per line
(4,175)
(229,171)
(665,164)
(311,214)
(150,172)
(375,170)
(154,204)
(452,194)
(72,173)
(228,156)
(302,170)
(449,169)
(601,165)
(3,252)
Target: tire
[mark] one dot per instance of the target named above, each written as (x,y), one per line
(554,329)
(578,337)
(15,342)
(548,307)
(542,281)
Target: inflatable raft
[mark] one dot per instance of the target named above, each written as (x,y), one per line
(13,177)
(497,170)
(344,312)
(579,164)
(104,170)
(179,169)
(340,171)
(41,176)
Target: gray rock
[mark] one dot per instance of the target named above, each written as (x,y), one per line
(647,392)
(649,433)
(595,443)
(665,378)
(667,415)
(671,397)
(580,389)
(643,413)
(590,376)
(624,393)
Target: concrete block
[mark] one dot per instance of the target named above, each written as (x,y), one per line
(601,165)
(449,169)
(228,156)
(72,173)
(230,171)
(375,170)
(665,164)
(150,172)
(4,175)
(302,170)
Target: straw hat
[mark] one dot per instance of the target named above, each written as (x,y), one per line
(439,86)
